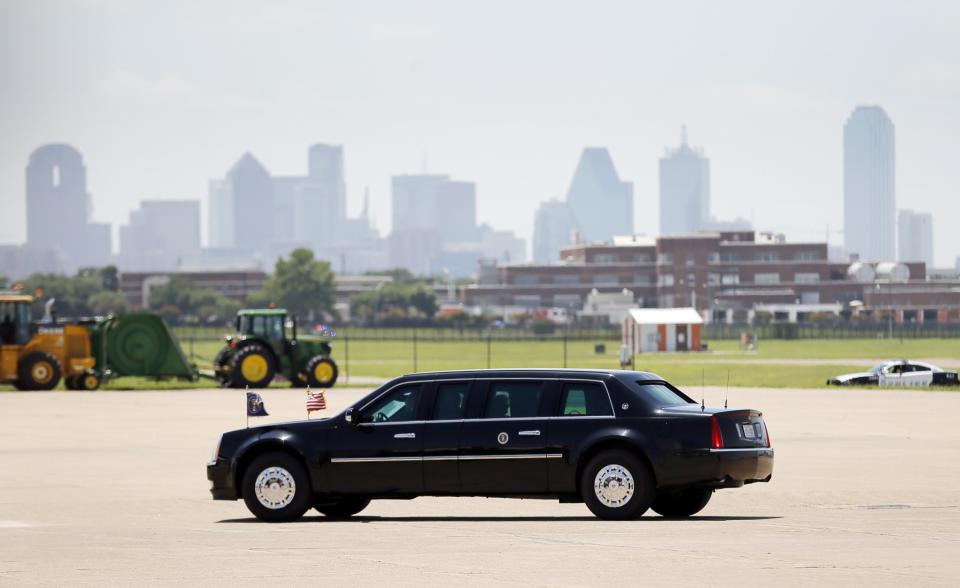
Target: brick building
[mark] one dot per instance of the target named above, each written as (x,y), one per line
(718,273)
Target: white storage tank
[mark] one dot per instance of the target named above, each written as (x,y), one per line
(892,271)
(861,272)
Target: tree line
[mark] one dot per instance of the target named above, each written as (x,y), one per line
(300,283)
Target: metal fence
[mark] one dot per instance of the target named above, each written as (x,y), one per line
(837,330)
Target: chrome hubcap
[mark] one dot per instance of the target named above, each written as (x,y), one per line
(275,488)
(613,485)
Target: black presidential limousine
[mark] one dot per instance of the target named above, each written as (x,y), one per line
(620,441)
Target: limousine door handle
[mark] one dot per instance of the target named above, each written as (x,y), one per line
(533,433)
(405,436)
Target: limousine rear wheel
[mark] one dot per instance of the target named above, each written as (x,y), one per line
(684,503)
(343,508)
(276,488)
(616,485)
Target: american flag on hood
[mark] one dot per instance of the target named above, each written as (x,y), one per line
(315,401)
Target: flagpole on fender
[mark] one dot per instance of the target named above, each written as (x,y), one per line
(308,405)
(246,407)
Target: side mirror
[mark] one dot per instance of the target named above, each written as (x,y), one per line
(352,417)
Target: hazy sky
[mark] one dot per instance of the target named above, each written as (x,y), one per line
(162,96)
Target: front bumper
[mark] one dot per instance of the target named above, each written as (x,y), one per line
(221,480)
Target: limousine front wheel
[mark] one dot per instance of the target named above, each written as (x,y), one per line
(276,488)
(616,485)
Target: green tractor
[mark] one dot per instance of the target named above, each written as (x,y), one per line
(260,349)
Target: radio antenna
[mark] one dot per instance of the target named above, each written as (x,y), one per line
(726,395)
(703,402)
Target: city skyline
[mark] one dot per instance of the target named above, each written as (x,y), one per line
(771,118)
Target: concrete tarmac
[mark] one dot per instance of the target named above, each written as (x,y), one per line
(109,488)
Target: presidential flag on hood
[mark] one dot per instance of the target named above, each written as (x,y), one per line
(255,405)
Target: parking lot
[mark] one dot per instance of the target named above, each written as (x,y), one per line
(109,488)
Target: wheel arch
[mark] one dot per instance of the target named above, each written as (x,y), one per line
(611,443)
(241,345)
(261,447)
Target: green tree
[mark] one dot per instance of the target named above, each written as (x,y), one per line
(181,300)
(107,302)
(301,284)
(394,301)
(110,278)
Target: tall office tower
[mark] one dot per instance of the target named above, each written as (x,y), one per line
(430,212)
(219,215)
(435,202)
(58,208)
(248,192)
(915,236)
(457,211)
(553,228)
(325,170)
(684,190)
(601,204)
(161,235)
(868,184)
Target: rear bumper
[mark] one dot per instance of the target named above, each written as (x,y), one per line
(721,468)
(736,467)
(221,480)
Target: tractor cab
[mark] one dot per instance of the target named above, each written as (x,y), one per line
(15,319)
(268,326)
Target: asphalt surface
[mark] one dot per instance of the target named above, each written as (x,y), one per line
(109,488)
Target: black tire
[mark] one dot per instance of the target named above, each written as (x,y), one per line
(288,508)
(72,383)
(624,465)
(38,371)
(221,361)
(328,372)
(88,381)
(252,353)
(683,503)
(343,508)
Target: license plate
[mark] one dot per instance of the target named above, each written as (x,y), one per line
(747,431)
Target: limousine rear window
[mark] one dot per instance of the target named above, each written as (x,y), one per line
(662,394)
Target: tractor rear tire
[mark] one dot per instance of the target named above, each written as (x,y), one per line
(322,372)
(38,371)
(252,366)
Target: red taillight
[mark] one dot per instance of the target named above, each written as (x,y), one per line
(767,431)
(715,435)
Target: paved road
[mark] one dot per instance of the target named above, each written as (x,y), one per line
(108,488)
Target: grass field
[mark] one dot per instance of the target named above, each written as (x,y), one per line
(777,363)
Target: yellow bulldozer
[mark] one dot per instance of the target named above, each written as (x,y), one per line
(38,360)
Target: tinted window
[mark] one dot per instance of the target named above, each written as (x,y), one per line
(585,399)
(451,401)
(661,395)
(513,400)
(396,407)
(915,368)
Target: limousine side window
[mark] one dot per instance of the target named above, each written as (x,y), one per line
(513,400)
(585,399)
(451,401)
(397,406)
